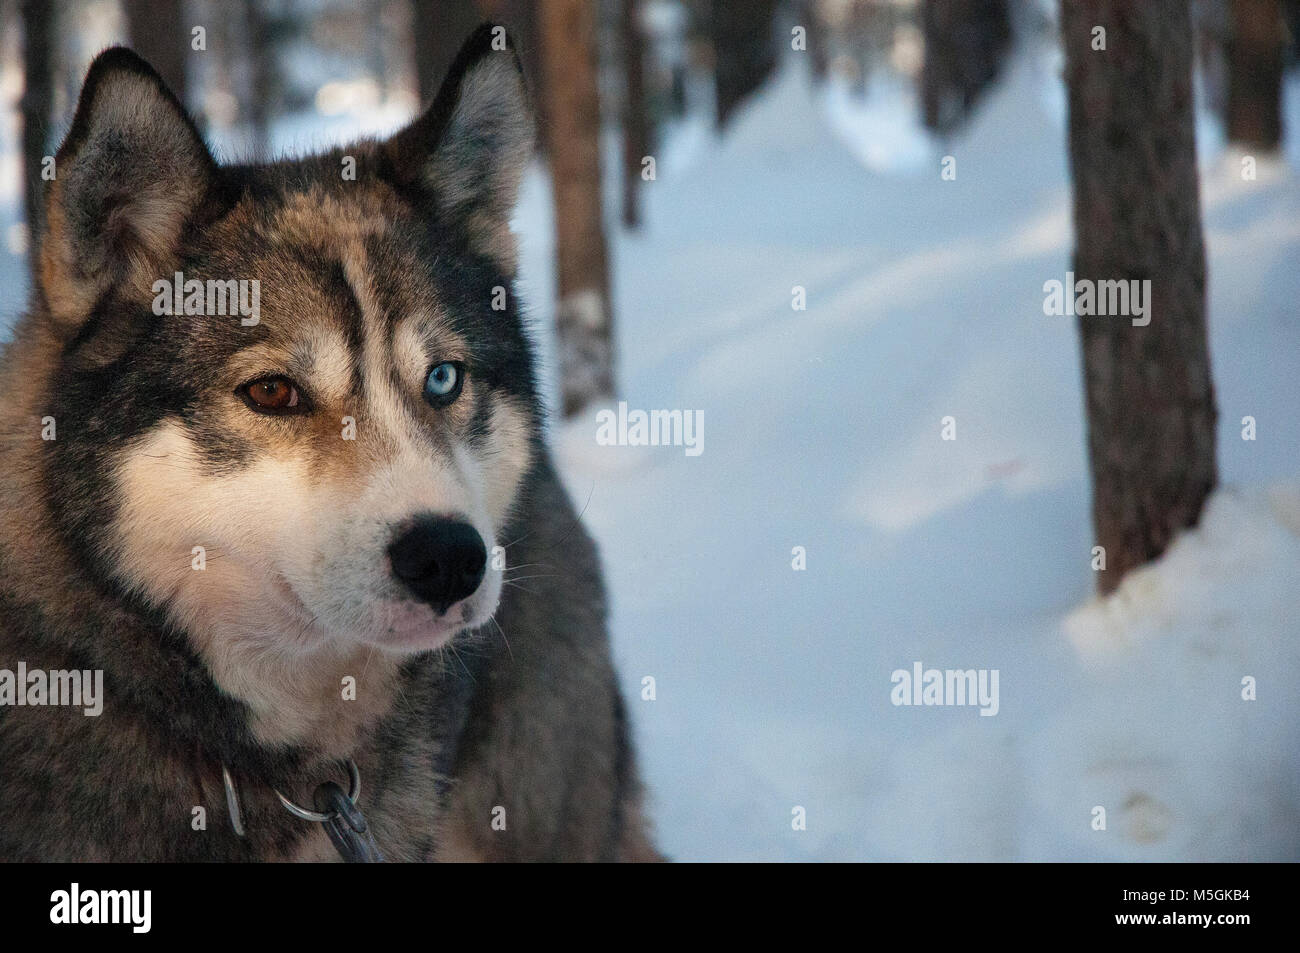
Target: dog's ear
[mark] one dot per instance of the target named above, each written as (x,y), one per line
(129,176)
(469,150)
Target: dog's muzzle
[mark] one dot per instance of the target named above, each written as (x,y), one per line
(439,560)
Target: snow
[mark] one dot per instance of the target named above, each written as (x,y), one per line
(924,300)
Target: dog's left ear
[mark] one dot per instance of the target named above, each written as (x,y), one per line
(468,152)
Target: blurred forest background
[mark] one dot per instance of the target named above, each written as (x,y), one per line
(703,163)
(610,76)
(599,69)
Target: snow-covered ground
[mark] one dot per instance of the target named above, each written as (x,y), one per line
(822,430)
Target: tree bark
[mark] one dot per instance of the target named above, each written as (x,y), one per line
(38,94)
(1148,391)
(1255,74)
(583,321)
(159,33)
(636,124)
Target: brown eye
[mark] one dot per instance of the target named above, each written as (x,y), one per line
(272,395)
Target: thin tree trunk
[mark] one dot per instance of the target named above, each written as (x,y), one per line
(743,48)
(965,43)
(1255,74)
(817,35)
(38,93)
(636,125)
(1149,396)
(440,27)
(160,34)
(261,66)
(568,35)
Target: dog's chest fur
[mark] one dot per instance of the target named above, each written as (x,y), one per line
(143,779)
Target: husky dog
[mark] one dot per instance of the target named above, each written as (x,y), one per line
(285,537)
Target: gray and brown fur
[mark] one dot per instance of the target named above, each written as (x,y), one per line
(363,282)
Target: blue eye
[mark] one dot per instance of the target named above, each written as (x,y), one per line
(442,386)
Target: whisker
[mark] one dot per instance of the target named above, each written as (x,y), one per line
(576,523)
(456,655)
(531,592)
(493,620)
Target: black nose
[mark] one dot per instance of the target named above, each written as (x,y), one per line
(440,560)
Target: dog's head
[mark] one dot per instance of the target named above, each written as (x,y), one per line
(294,402)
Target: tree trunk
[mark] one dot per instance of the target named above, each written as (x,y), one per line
(440,27)
(568,35)
(1149,396)
(161,35)
(636,125)
(810,19)
(965,43)
(743,48)
(1255,74)
(261,66)
(38,93)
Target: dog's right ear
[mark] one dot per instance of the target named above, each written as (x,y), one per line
(128,178)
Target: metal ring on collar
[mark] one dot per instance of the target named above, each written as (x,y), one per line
(232,801)
(354,795)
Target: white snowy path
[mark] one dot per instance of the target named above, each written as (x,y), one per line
(822,430)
